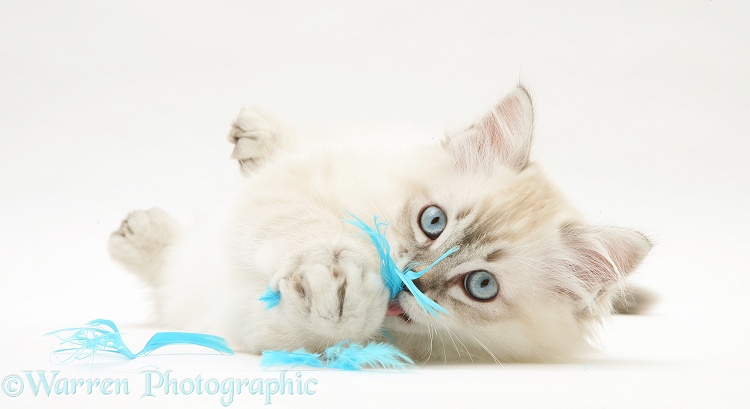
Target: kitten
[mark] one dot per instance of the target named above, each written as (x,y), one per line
(530,282)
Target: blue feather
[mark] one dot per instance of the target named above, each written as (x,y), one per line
(299,357)
(373,355)
(388,268)
(344,355)
(271,298)
(394,278)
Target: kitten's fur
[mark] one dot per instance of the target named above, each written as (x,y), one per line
(557,275)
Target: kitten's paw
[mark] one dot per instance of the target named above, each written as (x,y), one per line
(336,302)
(140,239)
(256,137)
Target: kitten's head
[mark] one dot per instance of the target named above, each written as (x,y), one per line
(531,279)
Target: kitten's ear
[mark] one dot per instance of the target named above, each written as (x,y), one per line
(604,256)
(503,135)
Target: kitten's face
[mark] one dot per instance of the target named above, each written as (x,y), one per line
(530,278)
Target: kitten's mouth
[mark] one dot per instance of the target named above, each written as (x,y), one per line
(395,309)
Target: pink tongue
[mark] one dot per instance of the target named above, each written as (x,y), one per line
(394,308)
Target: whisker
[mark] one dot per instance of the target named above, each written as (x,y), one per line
(433,327)
(453,339)
(429,355)
(481,344)
(452,334)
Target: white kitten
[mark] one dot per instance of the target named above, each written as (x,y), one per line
(529,283)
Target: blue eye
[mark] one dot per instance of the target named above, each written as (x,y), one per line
(432,221)
(481,285)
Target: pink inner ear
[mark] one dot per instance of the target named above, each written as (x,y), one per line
(493,135)
(598,270)
(606,254)
(502,136)
(507,129)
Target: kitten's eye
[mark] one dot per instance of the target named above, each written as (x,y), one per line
(481,285)
(432,221)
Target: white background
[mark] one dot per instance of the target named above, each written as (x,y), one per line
(643,119)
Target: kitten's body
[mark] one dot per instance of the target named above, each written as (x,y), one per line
(286,229)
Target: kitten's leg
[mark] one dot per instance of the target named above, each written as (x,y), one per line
(329,293)
(257,137)
(634,300)
(140,242)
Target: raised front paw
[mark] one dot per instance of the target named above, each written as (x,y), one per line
(140,239)
(334,301)
(256,137)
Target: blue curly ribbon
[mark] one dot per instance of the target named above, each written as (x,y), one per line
(102,335)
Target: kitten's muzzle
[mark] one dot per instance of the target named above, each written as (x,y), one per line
(395,309)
